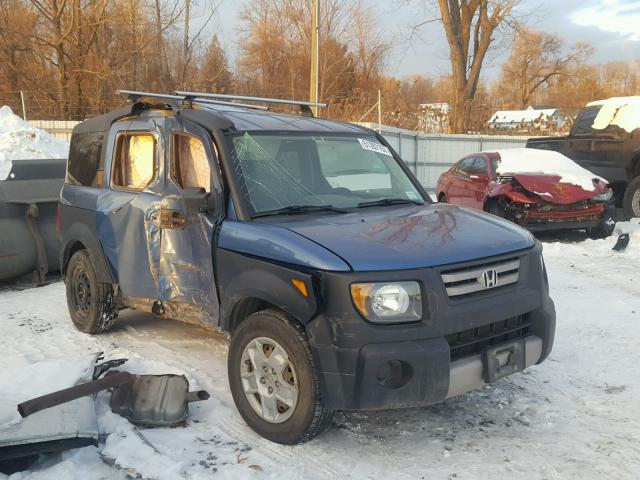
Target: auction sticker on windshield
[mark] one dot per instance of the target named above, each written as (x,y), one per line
(374,147)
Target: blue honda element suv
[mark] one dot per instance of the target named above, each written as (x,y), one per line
(341,284)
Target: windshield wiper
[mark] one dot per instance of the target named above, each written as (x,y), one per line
(296,209)
(389,201)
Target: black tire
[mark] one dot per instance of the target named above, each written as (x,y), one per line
(309,417)
(91,303)
(631,199)
(494,207)
(606,227)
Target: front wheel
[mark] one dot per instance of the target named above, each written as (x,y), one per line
(631,199)
(494,207)
(606,226)
(273,380)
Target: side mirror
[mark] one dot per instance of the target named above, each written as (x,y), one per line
(198,199)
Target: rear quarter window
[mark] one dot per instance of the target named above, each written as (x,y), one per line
(84,159)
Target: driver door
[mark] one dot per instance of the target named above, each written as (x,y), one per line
(190,213)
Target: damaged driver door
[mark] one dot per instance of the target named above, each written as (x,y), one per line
(157,216)
(190,212)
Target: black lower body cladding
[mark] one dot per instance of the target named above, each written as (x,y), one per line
(365,366)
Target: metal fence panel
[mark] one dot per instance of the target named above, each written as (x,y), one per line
(428,155)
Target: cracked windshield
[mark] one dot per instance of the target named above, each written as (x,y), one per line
(281,172)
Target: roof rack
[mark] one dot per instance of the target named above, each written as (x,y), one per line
(219,99)
(135,96)
(304,106)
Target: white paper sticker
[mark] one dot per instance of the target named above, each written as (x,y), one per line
(411,195)
(374,147)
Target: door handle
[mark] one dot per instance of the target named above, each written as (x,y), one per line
(172,219)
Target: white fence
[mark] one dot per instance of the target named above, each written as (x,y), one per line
(428,155)
(60,129)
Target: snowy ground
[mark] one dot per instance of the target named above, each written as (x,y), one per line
(574,416)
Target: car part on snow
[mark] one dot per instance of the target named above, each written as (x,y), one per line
(621,244)
(63,427)
(66,419)
(155,400)
(107,365)
(72,393)
(28,201)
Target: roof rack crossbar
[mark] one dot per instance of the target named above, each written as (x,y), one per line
(231,104)
(134,95)
(250,99)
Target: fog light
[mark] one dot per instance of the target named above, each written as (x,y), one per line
(394,374)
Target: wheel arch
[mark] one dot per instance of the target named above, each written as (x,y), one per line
(79,237)
(249,284)
(633,169)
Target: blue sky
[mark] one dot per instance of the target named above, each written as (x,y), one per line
(611,26)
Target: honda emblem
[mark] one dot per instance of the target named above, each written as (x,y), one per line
(489,278)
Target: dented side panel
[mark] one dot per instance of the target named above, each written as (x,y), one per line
(124,220)
(155,261)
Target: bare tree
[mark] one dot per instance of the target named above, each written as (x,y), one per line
(470,26)
(536,58)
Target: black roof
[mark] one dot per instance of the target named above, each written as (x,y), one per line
(244,119)
(224,117)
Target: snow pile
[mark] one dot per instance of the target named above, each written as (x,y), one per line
(623,112)
(20,140)
(530,160)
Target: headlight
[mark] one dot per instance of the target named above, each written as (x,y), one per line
(604,197)
(388,302)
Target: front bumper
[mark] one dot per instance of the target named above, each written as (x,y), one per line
(566,218)
(351,354)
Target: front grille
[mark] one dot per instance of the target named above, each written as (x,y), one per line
(481,277)
(474,340)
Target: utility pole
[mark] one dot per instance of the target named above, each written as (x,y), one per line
(24,110)
(379,112)
(314,84)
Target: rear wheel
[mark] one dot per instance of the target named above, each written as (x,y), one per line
(631,200)
(273,380)
(91,304)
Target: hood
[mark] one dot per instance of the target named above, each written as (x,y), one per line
(405,237)
(551,188)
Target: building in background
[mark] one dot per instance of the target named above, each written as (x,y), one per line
(434,117)
(533,119)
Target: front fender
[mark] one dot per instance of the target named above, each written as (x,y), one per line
(507,190)
(242,277)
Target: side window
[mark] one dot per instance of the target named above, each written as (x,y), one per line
(478,167)
(84,159)
(464,168)
(583,123)
(190,167)
(135,161)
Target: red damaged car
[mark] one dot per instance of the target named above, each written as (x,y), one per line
(537,189)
